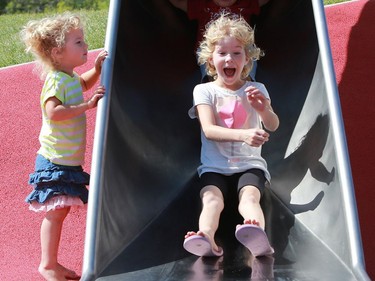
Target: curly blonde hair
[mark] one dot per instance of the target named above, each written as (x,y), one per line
(41,36)
(228,25)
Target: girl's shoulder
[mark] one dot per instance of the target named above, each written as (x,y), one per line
(202,85)
(254,83)
(60,75)
(260,86)
(59,82)
(203,88)
(60,78)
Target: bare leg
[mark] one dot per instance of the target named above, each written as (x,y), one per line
(50,234)
(249,206)
(213,205)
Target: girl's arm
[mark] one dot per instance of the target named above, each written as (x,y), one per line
(269,118)
(89,78)
(254,137)
(263,106)
(57,111)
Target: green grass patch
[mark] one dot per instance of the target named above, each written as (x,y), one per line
(329,2)
(12,49)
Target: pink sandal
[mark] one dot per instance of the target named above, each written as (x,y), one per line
(201,246)
(255,239)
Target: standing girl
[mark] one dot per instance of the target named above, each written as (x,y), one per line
(231,111)
(59,181)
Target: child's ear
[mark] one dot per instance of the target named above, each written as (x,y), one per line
(56,54)
(248,58)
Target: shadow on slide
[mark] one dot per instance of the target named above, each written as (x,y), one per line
(144,192)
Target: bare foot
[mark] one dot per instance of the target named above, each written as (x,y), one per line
(58,273)
(52,274)
(68,273)
(254,222)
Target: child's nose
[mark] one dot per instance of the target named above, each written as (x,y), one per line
(229,58)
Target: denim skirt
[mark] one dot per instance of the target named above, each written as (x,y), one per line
(50,180)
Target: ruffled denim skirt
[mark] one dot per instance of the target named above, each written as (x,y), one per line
(57,186)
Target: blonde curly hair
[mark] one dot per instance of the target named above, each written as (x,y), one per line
(41,36)
(228,24)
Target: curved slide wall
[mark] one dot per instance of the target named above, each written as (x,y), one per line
(144,188)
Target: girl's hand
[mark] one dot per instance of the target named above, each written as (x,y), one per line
(255,137)
(99,60)
(98,94)
(256,98)
(263,106)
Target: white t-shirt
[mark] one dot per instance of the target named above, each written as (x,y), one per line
(232,110)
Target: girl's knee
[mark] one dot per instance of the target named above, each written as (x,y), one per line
(58,214)
(212,197)
(250,194)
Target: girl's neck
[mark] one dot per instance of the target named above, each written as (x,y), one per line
(233,87)
(69,72)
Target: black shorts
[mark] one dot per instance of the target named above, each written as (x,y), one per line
(254,177)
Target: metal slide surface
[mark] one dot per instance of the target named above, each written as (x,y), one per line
(144,191)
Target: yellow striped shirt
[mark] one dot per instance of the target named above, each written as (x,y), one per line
(63,142)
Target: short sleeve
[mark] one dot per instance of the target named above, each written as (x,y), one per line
(53,87)
(201,95)
(261,88)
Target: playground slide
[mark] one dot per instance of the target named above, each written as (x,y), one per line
(144,191)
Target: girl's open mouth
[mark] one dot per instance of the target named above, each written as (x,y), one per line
(229,72)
